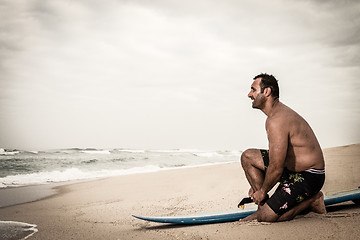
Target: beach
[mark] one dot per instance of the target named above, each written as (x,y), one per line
(102,209)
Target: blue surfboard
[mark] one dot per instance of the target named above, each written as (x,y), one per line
(237,214)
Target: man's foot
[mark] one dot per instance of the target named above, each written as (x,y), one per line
(249,218)
(318,204)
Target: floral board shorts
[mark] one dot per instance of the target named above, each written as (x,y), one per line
(294,187)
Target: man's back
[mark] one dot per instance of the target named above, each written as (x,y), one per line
(304,151)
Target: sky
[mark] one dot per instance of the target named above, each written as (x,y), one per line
(166,74)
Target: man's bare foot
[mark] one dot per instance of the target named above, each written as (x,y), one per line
(318,204)
(249,218)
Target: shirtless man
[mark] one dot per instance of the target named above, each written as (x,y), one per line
(294,159)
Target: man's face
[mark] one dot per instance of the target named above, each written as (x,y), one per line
(256,95)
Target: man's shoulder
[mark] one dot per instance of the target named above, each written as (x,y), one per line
(278,120)
(280,114)
(282,117)
(283,113)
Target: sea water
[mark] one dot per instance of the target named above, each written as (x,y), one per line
(16,230)
(21,168)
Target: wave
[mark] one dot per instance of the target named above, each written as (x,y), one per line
(91,161)
(73,174)
(178,151)
(117,150)
(130,150)
(70,174)
(208,154)
(16,230)
(8,152)
(33,152)
(59,165)
(96,151)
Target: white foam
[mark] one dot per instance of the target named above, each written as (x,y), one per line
(202,153)
(96,151)
(16,230)
(208,154)
(68,175)
(131,150)
(72,174)
(3,152)
(188,150)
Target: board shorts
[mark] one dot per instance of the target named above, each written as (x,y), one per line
(294,187)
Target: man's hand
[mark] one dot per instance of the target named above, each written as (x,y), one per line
(259,196)
(251,192)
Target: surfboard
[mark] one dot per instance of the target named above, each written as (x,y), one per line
(237,214)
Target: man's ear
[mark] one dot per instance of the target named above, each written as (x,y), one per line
(267,92)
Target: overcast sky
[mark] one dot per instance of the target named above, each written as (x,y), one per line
(167,74)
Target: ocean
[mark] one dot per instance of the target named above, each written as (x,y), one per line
(22,168)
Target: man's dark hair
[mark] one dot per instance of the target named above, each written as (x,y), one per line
(269,81)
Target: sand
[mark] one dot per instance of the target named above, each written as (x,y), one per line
(102,209)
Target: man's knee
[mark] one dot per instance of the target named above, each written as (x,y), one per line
(248,156)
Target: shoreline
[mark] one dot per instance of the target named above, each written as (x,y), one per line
(27,194)
(102,208)
(12,196)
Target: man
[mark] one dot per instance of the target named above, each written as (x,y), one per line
(294,158)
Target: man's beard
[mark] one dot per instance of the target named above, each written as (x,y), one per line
(259,102)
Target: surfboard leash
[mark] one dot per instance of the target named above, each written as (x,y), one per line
(247,200)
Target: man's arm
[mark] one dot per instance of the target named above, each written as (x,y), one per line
(278,143)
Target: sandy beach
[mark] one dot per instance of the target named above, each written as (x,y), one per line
(101,209)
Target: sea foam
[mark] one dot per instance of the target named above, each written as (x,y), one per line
(70,174)
(7,153)
(96,151)
(16,230)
